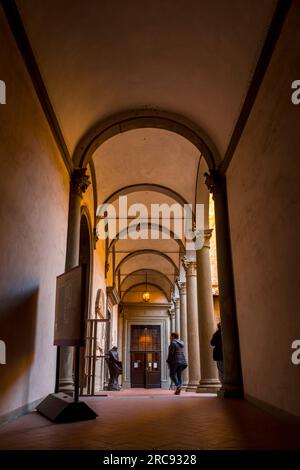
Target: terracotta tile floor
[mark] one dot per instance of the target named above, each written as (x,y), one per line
(151,420)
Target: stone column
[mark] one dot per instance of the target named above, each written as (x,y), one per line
(209,375)
(172,319)
(192,324)
(183,326)
(120,341)
(233,384)
(79,184)
(177,315)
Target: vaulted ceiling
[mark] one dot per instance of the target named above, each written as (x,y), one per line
(192,58)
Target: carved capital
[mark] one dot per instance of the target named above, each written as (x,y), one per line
(205,235)
(181,287)
(79,181)
(189,266)
(212,180)
(171,313)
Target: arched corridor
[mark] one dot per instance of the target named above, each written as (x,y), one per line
(151,149)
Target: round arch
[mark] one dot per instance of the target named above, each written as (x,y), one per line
(148,226)
(139,119)
(135,253)
(151,271)
(149,284)
(86,250)
(158,188)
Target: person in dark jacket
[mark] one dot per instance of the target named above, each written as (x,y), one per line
(216,342)
(176,361)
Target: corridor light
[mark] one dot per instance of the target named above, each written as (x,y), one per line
(146,296)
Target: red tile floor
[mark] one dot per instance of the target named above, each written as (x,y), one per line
(154,420)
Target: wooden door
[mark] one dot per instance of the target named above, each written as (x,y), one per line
(137,370)
(152,370)
(145,356)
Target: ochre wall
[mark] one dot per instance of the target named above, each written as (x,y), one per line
(33,214)
(264,194)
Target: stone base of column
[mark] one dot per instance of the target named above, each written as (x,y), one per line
(231,391)
(66,387)
(191,388)
(209,386)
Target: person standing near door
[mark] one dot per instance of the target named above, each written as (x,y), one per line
(176,361)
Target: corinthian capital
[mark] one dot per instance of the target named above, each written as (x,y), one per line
(79,181)
(204,236)
(190,266)
(182,287)
(213,180)
(171,312)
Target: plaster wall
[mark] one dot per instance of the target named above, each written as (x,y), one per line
(263,198)
(33,217)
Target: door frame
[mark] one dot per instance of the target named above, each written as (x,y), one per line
(141,314)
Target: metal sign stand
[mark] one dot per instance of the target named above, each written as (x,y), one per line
(60,407)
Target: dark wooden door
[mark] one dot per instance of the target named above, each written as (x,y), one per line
(145,356)
(153,372)
(137,369)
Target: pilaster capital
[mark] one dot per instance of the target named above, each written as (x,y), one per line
(79,181)
(181,287)
(190,266)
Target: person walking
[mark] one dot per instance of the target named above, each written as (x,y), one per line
(216,342)
(176,361)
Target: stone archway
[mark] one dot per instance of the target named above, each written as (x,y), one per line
(144,118)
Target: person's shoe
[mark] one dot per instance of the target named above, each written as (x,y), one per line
(178,390)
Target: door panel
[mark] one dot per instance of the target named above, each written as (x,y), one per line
(137,370)
(153,372)
(145,356)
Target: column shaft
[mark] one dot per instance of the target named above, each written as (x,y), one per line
(79,183)
(209,376)
(183,327)
(192,325)
(232,387)
(177,316)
